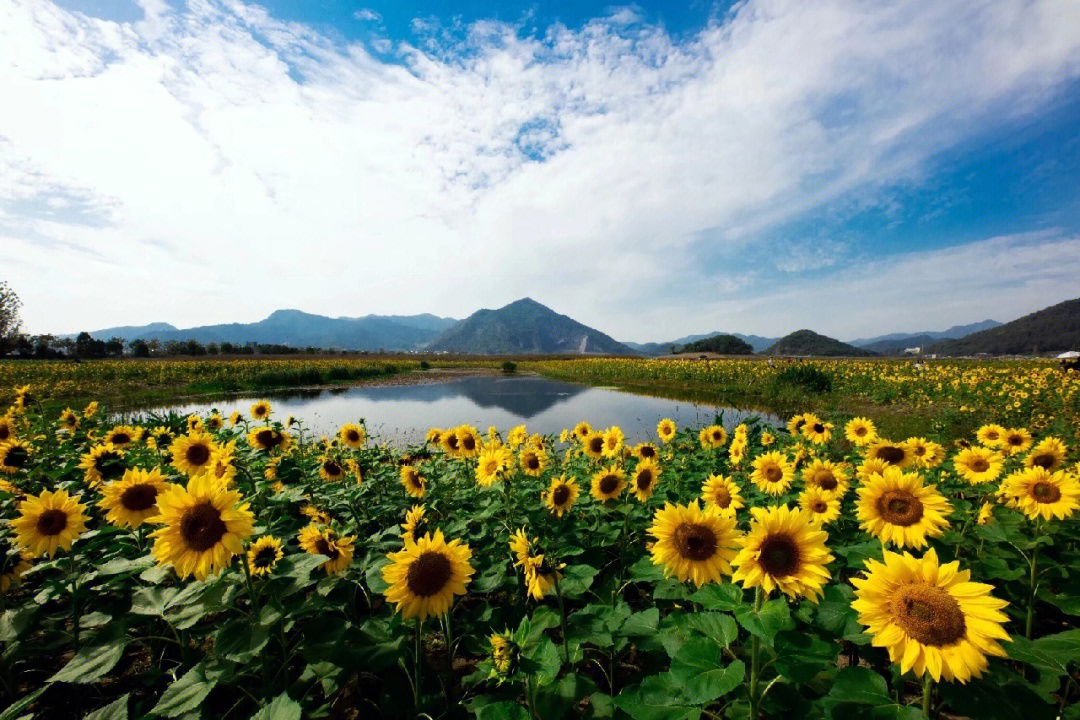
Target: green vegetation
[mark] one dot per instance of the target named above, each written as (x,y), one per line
(720,344)
(807,343)
(1051,330)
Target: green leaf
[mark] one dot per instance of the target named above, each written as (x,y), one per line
(553,701)
(577,580)
(187,693)
(282,707)
(670,589)
(699,667)
(1051,654)
(125,565)
(718,626)
(863,687)
(92,662)
(547,659)
(641,623)
(996,696)
(152,600)
(15,622)
(117,710)
(835,614)
(658,697)
(719,597)
(15,710)
(504,710)
(773,617)
(645,571)
(240,640)
(800,657)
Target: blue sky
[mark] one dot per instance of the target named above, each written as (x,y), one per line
(653,170)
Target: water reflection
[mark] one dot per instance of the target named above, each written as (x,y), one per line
(403,413)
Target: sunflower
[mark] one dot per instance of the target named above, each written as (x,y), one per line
(1036,492)
(593,445)
(821,507)
(860,431)
(235,417)
(540,576)
(352,435)
(978,465)
(896,507)
(826,476)
(123,435)
(316,515)
(1049,454)
(49,521)
(13,563)
(722,492)
(992,436)
(414,524)
(504,653)
(1016,441)
(665,430)
(521,546)
(103,463)
(693,543)
(69,420)
(468,441)
(773,472)
(450,442)
(712,437)
(581,430)
(159,437)
(767,439)
(205,525)
(14,456)
(261,410)
(434,436)
(783,550)
(794,425)
(930,617)
(412,481)
(223,464)
(193,454)
(194,424)
(263,555)
(645,451)
(870,467)
(608,483)
(891,453)
(517,436)
(613,441)
(268,439)
(934,455)
(90,410)
(330,469)
(561,495)
(533,461)
(132,500)
(215,421)
(425,576)
(817,431)
(325,541)
(737,451)
(643,481)
(986,514)
(7,428)
(494,462)
(920,449)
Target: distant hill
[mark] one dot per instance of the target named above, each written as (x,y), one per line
(720,344)
(130,332)
(1050,330)
(807,343)
(895,340)
(757,342)
(897,347)
(524,327)
(301,329)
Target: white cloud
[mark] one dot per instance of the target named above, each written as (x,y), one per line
(238,164)
(367,15)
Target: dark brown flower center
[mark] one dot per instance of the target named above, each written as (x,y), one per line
(645,479)
(120,438)
(5,431)
(596,445)
(201,527)
(52,522)
(1045,492)
(928,614)
(899,507)
(1043,460)
(265,557)
(325,547)
(721,497)
(773,473)
(609,484)
(109,465)
(139,497)
(268,438)
(779,556)
(819,428)
(452,441)
(891,454)
(819,506)
(826,480)
(718,436)
(17,457)
(353,436)
(468,443)
(694,541)
(647,451)
(532,462)
(860,431)
(197,454)
(560,495)
(980,465)
(1015,440)
(332,468)
(429,573)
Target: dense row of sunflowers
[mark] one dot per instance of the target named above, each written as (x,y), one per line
(240,567)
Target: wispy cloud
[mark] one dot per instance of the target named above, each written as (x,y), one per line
(581,167)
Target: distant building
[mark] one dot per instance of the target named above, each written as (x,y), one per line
(912,350)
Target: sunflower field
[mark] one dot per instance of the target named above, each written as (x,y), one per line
(240,567)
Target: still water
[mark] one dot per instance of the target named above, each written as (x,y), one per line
(403,413)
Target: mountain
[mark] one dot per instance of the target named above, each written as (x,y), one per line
(301,329)
(757,342)
(897,346)
(1050,330)
(809,343)
(720,344)
(129,332)
(521,328)
(909,339)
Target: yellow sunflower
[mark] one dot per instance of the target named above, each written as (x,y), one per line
(665,430)
(235,417)
(13,563)
(643,481)
(493,464)
(693,543)
(593,445)
(930,617)
(325,541)
(434,436)
(608,483)
(412,481)
(414,525)
(268,439)
(215,421)
(263,555)
(223,464)
(561,495)
(205,525)
(517,436)
(69,420)
(352,435)
(986,514)
(533,461)
(826,476)
(426,575)
(860,431)
(891,453)
(122,435)
(613,441)
(91,410)
(783,550)
(132,500)
(7,428)
(767,439)
(992,436)
(712,437)
(581,430)
(1036,492)
(193,454)
(1048,454)
(978,465)
(450,442)
(48,522)
(14,456)
(821,507)
(103,463)
(194,424)
(897,507)
(1016,441)
(468,441)
(723,493)
(795,424)
(817,431)
(645,451)
(869,468)
(330,469)
(261,410)
(773,472)
(540,575)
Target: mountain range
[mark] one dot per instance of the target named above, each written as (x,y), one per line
(527,327)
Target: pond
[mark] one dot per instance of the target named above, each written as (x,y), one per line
(403,413)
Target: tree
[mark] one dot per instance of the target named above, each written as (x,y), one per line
(10,322)
(139,348)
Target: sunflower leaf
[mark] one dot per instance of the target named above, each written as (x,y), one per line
(775,615)
(282,707)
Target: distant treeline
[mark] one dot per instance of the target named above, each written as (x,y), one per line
(84,346)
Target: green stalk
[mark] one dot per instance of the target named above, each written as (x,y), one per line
(927,693)
(74,599)
(416,665)
(755,662)
(1031,591)
(562,619)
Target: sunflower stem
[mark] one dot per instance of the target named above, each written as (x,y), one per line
(755,661)
(416,664)
(1031,591)
(562,620)
(927,693)
(74,599)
